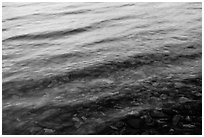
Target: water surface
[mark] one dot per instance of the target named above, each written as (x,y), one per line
(64,54)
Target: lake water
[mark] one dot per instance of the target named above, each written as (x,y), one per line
(49,49)
(43,40)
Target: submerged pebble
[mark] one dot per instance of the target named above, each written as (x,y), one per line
(49,131)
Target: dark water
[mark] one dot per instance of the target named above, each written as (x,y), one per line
(65,53)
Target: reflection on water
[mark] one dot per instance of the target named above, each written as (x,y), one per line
(59,54)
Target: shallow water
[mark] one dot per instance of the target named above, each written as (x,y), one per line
(71,53)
